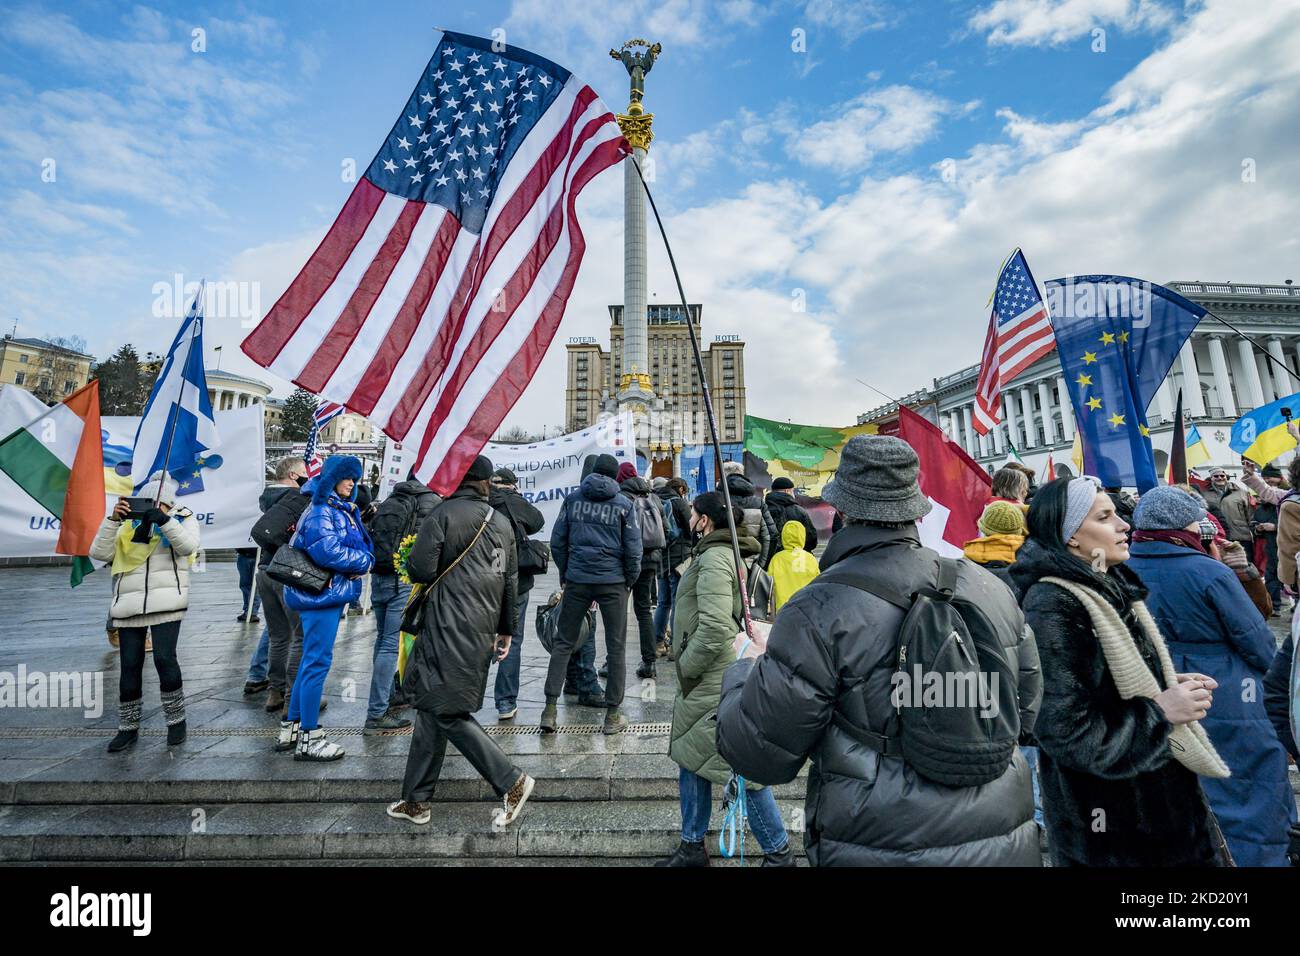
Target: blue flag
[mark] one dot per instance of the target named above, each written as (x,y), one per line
(177,426)
(1117,338)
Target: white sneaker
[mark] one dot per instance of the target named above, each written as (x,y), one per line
(410,810)
(513,802)
(288,736)
(314,747)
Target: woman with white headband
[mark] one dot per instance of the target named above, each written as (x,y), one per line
(1121,746)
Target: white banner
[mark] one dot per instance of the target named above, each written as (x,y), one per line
(231,480)
(547,471)
(397,463)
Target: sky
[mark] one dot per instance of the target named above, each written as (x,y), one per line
(840,180)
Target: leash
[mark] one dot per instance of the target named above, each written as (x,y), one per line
(735,816)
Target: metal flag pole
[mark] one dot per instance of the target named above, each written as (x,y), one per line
(708,403)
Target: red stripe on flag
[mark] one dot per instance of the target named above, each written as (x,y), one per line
(516,209)
(494,408)
(990,379)
(344,331)
(273,333)
(375,379)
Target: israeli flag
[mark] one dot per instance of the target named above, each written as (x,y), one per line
(177,425)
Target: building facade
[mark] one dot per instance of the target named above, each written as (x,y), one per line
(50,372)
(677,415)
(227,391)
(1222,376)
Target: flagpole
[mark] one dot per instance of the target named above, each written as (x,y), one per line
(708,401)
(176,405)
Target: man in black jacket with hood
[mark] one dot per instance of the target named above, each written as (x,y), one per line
(758,520)
(782,507)
(398,515)
(823,682)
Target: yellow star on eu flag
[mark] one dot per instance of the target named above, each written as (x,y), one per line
(1146,432)
(1084,379)
(1116,420)
(1094,403)
(1089,358)
(1108,338)
(1123,336)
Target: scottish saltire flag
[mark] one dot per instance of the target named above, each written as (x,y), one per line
(325,413)
(177,426)
(431,301)
(1019,334)
(1261,434)
(1117,338)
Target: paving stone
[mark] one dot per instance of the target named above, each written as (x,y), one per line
(117,832)
(264,831)
(457,830)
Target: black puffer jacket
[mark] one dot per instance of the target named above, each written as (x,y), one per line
(1112,793)
(758,520)
(782,507)
(472,604)
(864,809)
(680,549)
(400,514)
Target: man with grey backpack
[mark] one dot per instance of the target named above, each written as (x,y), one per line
(904,677)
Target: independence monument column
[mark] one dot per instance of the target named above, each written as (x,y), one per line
(635,391)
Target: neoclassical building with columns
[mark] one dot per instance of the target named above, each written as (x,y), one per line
(1222,376)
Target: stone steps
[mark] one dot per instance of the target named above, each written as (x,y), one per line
(576,831)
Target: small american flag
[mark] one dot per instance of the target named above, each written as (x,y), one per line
(1020,333)
(325,413)
(430,302)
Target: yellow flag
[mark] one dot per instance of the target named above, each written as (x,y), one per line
(1076,453)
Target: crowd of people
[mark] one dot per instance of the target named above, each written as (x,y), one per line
(1105,681)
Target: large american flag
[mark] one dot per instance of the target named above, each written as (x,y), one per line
(431,301)
(1020,333)
(325,413)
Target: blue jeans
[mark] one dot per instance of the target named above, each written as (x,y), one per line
(696,795)
(247,569)
(319,629)
(1031,757)
(506,689)
(388,600)
(257,666)
(667,595)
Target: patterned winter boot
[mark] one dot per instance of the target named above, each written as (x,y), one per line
(128,725)
(173,702)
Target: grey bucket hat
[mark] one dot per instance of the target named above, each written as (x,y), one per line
(876,481)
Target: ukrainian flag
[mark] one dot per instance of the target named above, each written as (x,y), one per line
(1197,452)
(1261,435)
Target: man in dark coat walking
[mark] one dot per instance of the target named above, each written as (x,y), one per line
(465,556)
(526,520)
(596,543)
(829,664)
(758,520)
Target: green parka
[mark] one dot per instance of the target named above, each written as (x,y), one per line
(706,618)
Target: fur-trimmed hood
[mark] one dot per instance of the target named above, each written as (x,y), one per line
(335,469)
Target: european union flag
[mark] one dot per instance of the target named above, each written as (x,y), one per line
(1117,338)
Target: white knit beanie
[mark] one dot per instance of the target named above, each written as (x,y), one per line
(151,489)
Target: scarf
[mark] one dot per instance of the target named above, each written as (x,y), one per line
(1178,536)
(129,554)
(1188,742)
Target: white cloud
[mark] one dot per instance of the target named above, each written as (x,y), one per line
(893,119)
(849,19)
(1054,22)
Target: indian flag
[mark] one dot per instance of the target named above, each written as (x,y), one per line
(58,459)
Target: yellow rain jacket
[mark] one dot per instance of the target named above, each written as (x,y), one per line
(792,567)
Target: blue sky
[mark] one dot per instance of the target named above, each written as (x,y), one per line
(885,170)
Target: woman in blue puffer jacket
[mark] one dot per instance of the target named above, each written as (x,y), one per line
(331,533)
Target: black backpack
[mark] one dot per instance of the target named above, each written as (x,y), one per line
(950,740)
(394,520)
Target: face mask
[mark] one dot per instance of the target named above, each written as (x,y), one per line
(301,479)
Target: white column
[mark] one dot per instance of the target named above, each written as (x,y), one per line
(1222,380)
(1027,414)
(1255,388)
(1193,400)
(1067,410)
(1164,402)
(1045,399)
(997,440)
(1282,380)
(1266,377)
(1009,413)
(969,444)
(945,421)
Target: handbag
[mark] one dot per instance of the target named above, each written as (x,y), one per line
(293,567)
(413,615)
